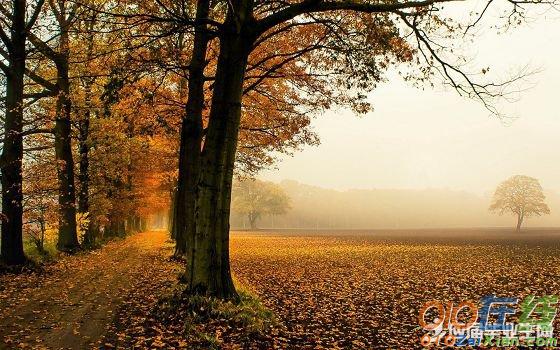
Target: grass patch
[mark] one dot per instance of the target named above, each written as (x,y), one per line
(49,253)
(208,322)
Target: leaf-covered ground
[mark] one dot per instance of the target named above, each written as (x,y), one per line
(71,304)
(328,291)
(366,292)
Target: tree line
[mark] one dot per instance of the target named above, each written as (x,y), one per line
(119,109)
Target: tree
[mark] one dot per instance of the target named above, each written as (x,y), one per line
(255,198)
(191,137)
(209,272)
(64,15)
(14,51)
(84,120)
(40,198)
(522,196)
(349,56)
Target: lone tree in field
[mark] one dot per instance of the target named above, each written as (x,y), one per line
(520,195)
(255,198)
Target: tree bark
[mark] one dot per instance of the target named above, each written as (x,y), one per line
(12,151)
(83,195)
(67,235)
(210,269)
(189,158)
(116,227)
(171,213)
(84,148)
(191,141)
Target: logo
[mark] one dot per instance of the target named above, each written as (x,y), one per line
(492,322)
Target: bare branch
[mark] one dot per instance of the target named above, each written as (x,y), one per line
(35,15)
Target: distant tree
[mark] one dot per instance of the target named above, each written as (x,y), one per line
(522,196)
(255,198)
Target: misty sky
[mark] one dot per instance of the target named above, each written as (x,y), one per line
(435,139)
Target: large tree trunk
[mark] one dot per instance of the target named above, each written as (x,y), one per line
(189,158)
(191,139)
(12,151)
(67,235)
(210,270)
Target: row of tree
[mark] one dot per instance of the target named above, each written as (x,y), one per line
(67,112)
(117,85)
(94,102)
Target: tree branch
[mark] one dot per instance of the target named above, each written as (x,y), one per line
(44,48)
(312,6)
(35,15)
(53,88)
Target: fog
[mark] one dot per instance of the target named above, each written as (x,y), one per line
(319,208)
(432,138)
(426,157)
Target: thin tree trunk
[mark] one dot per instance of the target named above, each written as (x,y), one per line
(253,221)
(171,213)
(84,179)
(116,226)
(12,151)
(143,225)
(42,228)
(519,222)
(83,195)
(210,264)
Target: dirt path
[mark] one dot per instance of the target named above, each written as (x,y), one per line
(71,306)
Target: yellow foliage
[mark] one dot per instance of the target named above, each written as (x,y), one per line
(82,223)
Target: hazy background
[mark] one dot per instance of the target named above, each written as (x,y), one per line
(319,208)
(441,145)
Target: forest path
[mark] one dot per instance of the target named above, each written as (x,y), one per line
(71,305)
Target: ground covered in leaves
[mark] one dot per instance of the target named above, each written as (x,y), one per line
(364,291)
(347,290)
(71,304)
